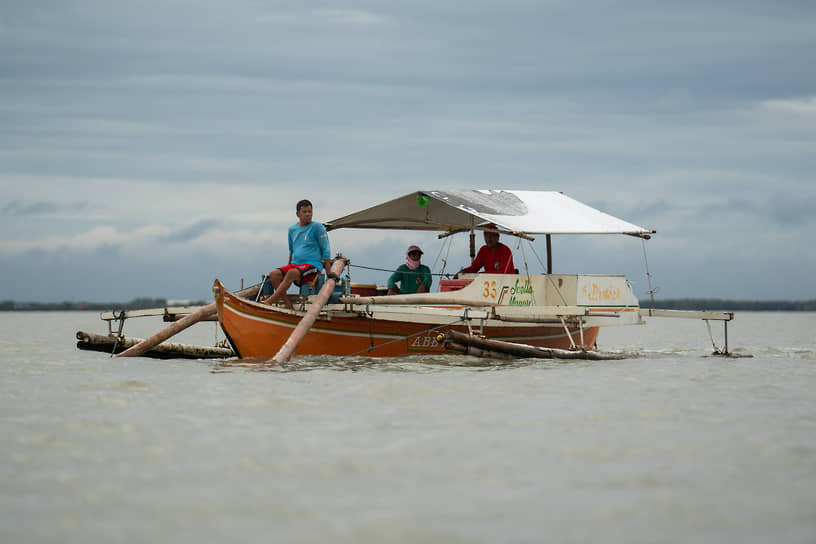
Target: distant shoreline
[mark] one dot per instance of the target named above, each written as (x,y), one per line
(67,306)
(729,305)
(704,304)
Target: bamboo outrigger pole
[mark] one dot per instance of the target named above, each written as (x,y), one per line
(416,298)
(288,347)
(202,313)
(484,347)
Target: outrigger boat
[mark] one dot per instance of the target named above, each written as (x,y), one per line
(560,311)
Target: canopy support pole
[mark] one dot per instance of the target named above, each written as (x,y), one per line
(549,254)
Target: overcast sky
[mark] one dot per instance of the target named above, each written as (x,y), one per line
(148,147)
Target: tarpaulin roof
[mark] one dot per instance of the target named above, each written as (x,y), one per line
(516,212)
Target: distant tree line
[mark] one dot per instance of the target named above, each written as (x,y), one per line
(67,306)
(715,304)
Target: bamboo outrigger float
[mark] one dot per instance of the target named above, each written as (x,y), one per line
(471,344)
(166,350)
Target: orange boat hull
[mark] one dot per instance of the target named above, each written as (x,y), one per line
(257,330)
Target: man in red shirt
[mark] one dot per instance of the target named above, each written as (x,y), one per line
(495,257)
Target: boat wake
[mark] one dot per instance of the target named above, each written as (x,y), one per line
(407,363)
(792,352)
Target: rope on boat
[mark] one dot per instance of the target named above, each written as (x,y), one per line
(441,274)
(532,247)
(449,243)
(543,266)
(401,338)
(651,291)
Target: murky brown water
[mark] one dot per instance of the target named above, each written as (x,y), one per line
(671,446)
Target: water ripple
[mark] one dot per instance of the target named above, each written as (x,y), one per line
(410,363)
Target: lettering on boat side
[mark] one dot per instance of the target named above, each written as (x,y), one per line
(595,293)
(489,290)
(520,294)
(425,342)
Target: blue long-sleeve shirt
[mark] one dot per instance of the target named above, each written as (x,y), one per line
(309,244)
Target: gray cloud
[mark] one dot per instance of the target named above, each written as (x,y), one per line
(784,211)
(792,211)
(17,207)
(42,207)
(640,212)
(191,232)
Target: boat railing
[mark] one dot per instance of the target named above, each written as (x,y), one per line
(168,314)
(706,316)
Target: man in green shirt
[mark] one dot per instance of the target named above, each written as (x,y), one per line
(413,276)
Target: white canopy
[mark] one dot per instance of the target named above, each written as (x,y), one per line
(516,212)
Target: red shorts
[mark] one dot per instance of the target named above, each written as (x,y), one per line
(307,272)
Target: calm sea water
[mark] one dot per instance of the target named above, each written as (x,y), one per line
(670,446)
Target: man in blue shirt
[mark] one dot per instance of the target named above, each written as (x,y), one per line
(308,250)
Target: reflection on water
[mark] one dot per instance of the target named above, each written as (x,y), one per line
(408,363)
